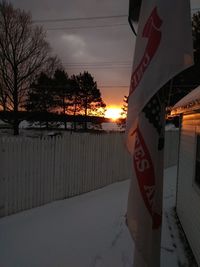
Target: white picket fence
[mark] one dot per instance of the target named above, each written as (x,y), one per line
(37,171)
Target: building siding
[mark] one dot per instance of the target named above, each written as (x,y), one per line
(188,193)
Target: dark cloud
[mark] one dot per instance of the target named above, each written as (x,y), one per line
(111,44)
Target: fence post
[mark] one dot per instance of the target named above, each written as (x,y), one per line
(2,179)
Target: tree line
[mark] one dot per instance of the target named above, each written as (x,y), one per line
(33,79)
(75,95)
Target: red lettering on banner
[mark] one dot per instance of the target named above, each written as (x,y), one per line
(146,176)
(152,32)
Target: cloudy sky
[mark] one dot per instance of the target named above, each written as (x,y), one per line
(104,47)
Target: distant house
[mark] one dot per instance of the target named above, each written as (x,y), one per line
(188,184)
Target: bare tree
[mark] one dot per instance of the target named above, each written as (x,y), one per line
(23,53)
(53,63)
(3,96)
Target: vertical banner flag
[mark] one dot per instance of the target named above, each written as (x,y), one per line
(163,49)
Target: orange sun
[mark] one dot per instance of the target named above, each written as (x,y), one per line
(113,113)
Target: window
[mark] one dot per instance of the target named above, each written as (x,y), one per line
(197,173)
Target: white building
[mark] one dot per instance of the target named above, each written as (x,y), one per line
(188,187)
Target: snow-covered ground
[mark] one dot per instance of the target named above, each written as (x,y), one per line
(85,231)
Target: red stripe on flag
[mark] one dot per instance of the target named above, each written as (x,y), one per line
(146,176)
(152,32)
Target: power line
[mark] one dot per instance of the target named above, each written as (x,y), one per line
(88,18)
(80,18)
(102,67)
(87,27)
(99,65)
(104,86)
(98,62)
(114,86)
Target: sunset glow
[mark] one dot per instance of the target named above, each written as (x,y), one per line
(113,113)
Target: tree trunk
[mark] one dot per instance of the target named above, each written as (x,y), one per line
(85,123)
(64,111)
(16,127)
(4,103)
(15,110)
(75,115)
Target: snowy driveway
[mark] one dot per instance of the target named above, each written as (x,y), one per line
(84,231)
